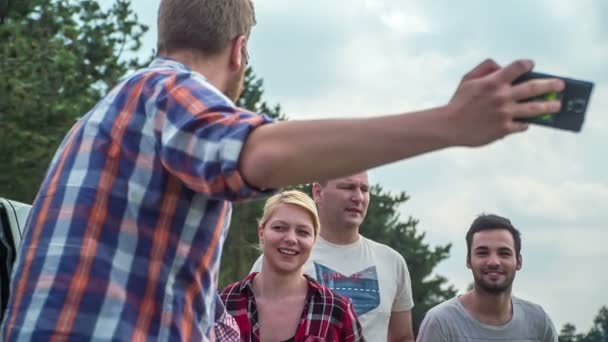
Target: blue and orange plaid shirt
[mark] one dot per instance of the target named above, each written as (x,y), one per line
(124,237)
(326,316)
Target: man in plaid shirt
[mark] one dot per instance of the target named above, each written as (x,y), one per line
(124,237)
(327,315)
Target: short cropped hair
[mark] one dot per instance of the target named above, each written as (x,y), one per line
(492,222)
(204,26)
(293,197)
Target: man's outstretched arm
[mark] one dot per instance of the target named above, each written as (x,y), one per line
(482,110)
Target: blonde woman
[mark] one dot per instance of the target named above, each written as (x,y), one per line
(281,303)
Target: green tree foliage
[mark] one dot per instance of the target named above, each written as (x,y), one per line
(568,334)
(57,58)
(251,98)
(597,333)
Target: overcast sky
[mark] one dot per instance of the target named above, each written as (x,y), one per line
(335,58)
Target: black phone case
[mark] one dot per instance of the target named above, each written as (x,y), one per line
(575,100)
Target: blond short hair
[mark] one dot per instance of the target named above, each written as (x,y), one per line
(293,197)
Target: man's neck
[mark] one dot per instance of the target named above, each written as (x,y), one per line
(208,66)
(272,285)
(343,236)
(489,308)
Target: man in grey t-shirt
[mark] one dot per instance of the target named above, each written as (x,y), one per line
(489,312)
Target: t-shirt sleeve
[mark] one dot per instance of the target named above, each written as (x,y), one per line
(201,138)
(403,298)
(431,329)
(550,332)
(257,265)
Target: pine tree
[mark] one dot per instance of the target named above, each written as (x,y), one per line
(56,60)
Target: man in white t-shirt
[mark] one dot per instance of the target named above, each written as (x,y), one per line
(489,312)
(374,276)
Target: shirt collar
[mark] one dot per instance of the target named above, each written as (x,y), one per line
(166,62)
(161,62)
(247,284)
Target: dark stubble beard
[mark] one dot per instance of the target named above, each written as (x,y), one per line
(492,288)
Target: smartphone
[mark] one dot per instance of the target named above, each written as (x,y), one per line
(575,100)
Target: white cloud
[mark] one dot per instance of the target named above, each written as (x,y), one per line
(580,242)
(567,202)
(402,23)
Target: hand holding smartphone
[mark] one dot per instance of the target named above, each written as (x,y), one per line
(575,99)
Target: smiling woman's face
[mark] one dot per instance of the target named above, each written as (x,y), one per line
(287,238)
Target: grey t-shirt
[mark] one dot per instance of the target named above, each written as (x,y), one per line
(450,321)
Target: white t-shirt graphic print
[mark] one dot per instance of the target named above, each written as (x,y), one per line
(361,288)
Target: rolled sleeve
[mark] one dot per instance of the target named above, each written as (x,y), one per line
(403,300)
(202,136)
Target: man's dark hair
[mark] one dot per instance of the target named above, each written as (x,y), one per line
(492,222)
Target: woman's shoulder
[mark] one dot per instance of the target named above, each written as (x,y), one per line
(236,288)
(230,289)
